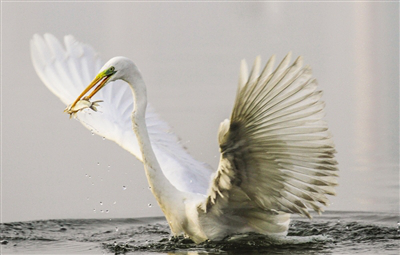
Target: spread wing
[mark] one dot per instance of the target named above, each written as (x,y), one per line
(66,71)
(277,155)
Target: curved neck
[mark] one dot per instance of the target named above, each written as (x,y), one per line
(162,189)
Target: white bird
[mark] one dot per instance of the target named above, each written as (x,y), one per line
(276,153)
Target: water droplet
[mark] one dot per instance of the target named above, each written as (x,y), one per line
(107,211)
(101,203)
(98,163)
(101,211)
(116,230)
(149,187)
(86,175)
(94,210)
(124,187)
(104,138)
(101,179)
(87,198)
(92,184)
(92,131)
(149,205)
(115,202)
(90,176)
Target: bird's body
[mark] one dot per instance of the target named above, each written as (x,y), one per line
(277,156)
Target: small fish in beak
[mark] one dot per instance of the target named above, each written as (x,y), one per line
(81,105)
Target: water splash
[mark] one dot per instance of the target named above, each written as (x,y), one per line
(322,235)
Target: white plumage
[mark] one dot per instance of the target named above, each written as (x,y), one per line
(277,155)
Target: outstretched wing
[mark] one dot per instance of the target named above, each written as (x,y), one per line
(67,71)
(277,154)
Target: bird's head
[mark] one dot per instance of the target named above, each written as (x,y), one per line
(117,68)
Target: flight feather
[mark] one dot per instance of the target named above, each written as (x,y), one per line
(277,154)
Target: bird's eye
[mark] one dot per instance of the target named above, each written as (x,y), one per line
(110,71)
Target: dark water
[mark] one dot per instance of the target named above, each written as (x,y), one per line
(332,233)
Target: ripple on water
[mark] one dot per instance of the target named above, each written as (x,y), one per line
(332,233)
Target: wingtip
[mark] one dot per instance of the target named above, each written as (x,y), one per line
(35,40)
(255,71)
(243,66)
(298,61)
(289,55)
(244,73)
(272,58)
(35,36)
(48,36)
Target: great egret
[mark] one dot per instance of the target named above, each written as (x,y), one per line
(277,155)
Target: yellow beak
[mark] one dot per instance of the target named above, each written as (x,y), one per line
(99,78)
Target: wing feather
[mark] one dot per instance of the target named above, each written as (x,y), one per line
(276,149)
(66,71)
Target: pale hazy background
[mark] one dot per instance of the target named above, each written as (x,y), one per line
(189,54)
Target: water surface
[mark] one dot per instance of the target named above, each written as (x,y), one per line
(332,233)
